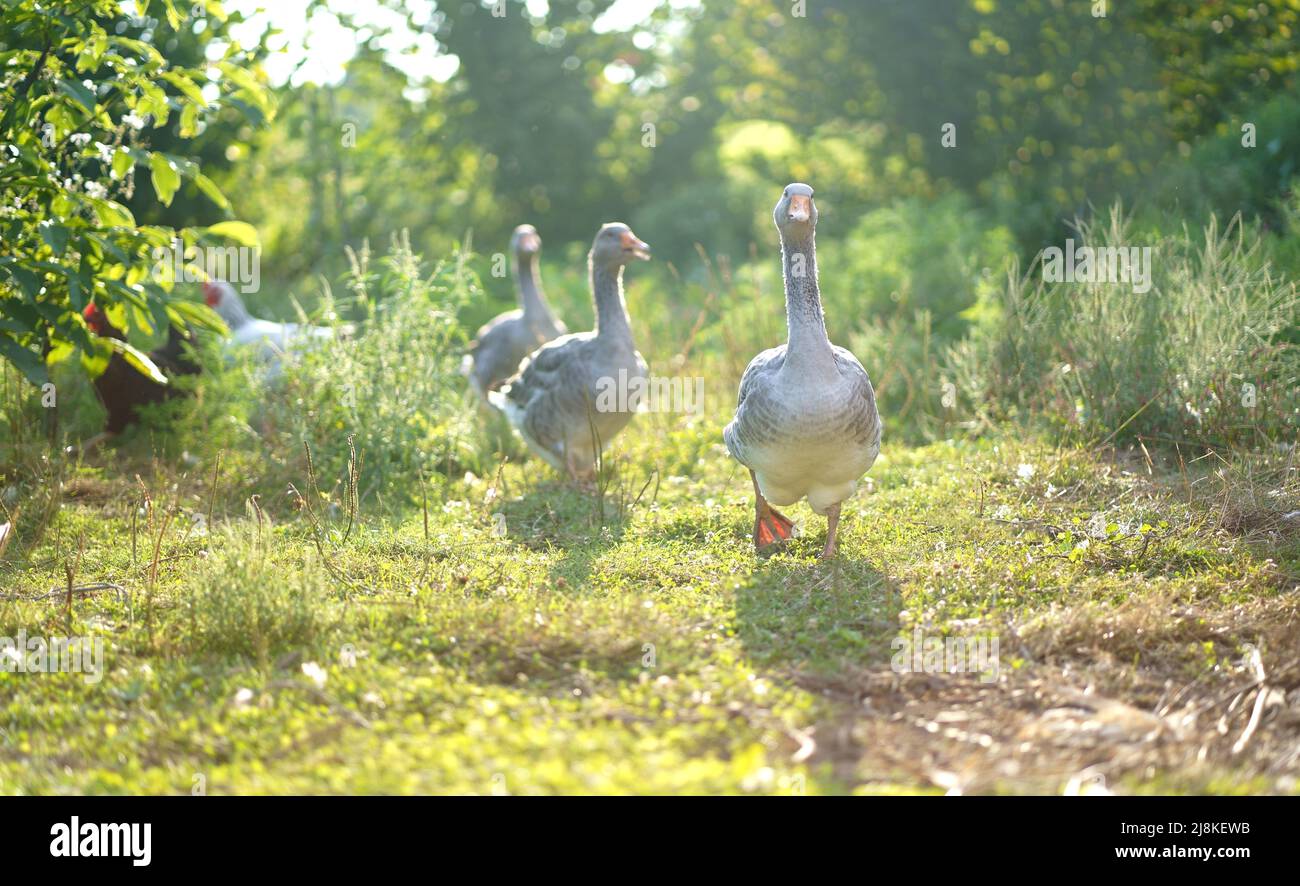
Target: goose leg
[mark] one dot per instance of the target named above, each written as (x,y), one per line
(582,476)
(832,529)
(771,528)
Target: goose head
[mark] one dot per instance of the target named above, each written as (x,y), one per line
(525,243)
(796,213)
(222,298)
(616,245)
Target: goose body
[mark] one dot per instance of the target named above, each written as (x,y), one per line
(268,340)
(805,435)
(504,341)
(806,422)
(559,401)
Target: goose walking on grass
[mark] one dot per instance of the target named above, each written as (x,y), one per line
(558,401)
(504,341)
(806,423)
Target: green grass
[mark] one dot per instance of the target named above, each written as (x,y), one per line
(636,644)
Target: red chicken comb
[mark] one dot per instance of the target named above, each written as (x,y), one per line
(211,293)
(94,317)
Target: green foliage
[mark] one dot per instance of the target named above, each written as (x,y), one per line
(941,256)
(394,384)
(1222,174)
(241,601)
(80,101)
(339,165)
(1202,357)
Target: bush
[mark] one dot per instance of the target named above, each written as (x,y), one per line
(395,385)
(1222,176)
(1202,357)
(76,150)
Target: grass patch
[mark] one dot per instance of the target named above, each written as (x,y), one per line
(645,648)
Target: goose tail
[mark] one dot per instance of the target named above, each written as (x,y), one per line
(500,399)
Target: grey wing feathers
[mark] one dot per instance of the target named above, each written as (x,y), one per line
(762,366)
(769,360)
(549,389)
(501,344)
(869,427)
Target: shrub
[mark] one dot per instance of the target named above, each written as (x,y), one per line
(394,385)
(1202,357)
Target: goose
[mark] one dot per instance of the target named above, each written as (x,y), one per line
(271,340)
(806,423)
(557,401)
(504,341)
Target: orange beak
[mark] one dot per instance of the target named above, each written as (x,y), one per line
(800,208)
(638,248)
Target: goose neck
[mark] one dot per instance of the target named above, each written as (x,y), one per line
(808,343)
(611,308)
(527,273)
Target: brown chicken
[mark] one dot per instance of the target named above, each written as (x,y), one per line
(123,389)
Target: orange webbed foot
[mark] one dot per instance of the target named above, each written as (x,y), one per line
(772,529)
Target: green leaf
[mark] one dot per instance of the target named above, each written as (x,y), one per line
(241,232)
(26,361)
(165,178)
(209,188)
(112,214)
(153,100)
(78,289)
(186,87)
(79,92)
(56,236)
(123,160)
(139,360)
(173,17)
(189,121)
(95,360)
(28,282)
(60,352)
(199,315)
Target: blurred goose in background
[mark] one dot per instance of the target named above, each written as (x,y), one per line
(504,341)
(806,423)
(270,340)
(555,401)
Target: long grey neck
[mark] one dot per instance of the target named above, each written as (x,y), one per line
(808,344)
(611,310)
(536,310)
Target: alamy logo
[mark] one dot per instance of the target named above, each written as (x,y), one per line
(90,840)
(656,393)
(241,266)
(1098,264)
(37,655)
(919,654)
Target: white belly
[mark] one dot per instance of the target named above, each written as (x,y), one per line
(825,474)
